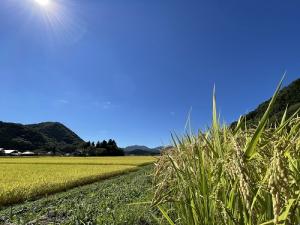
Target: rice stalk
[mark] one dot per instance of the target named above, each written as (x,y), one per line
(231,176)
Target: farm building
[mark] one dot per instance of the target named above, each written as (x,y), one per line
(28,153)
(11,152)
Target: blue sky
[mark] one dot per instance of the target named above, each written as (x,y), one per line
(131,70)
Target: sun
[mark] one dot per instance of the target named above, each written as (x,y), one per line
(43,3)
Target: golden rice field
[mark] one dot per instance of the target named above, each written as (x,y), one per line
(119,160)
(26,178)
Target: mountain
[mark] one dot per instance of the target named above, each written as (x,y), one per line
(134,147)
(43,136)
(18,136)
(288,97)
(56,132)
(142,150)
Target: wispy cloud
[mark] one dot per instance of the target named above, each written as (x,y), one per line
(105,105)
(63,101)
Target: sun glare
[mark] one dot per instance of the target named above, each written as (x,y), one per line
(43,3)
(57,17)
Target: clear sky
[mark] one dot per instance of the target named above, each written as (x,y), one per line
(131,70)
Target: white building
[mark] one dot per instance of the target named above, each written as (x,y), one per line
(11,152)
(28,153)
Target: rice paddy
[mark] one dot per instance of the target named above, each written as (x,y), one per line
(115,160)
(110,201)
(27,178)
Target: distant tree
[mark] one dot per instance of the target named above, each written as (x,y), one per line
(110,142)
(54,150)
(114,144)
(68,148)
(98,144)
(88,144)
(113,149)
(103,144)
(93,144)
(81,146)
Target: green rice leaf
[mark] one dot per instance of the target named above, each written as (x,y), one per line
(166,216)
(251,146)
(285,213)
(239,125)
(215,125)
(284,116)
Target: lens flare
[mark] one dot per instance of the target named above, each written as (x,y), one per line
(58,20)
(43,3)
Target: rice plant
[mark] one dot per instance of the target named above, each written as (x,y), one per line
(27,178)
(246,175)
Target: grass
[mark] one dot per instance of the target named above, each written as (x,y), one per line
(108,202)
(27,178)
(223,176)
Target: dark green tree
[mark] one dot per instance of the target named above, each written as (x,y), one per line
(98,144)
(103,144)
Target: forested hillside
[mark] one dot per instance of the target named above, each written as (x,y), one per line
(42,136)
(287,97)
(57,133)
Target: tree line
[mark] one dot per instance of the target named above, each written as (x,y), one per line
(103,148)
